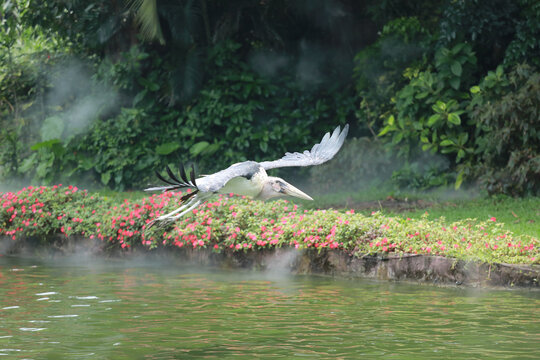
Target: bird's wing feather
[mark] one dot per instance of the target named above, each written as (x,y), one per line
(320,153)
(214,182)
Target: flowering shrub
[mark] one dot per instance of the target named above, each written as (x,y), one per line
(232,223)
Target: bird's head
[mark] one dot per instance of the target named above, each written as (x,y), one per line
(275,187)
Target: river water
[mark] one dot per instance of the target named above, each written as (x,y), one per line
(134,309)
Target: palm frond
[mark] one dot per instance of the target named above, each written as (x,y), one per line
(146,15)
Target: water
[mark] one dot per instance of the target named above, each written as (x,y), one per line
(136,310)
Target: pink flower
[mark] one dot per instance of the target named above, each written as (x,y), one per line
(493,219)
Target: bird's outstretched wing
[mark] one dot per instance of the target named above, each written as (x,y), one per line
(320,153)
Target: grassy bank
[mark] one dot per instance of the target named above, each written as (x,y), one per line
(239,224)
(519,215)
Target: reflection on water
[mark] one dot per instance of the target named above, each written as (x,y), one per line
(139,311)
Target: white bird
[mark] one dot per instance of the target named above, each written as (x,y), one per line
(248,178)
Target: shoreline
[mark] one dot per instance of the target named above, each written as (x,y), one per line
(426,269)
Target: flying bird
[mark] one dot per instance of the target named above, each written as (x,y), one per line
(247,178)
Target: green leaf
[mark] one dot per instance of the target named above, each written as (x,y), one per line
(460,155)
(391,120)
(28,164)
(459,180)
(167,148)
(421,95)
(456,68)
(439,107)
(454,82)
(52,128)
(140,95)
(87,163)
(475,89)
(385,130)
(447,142)
(463,137)
(197,148)
(456,49)
(42,169)
(105,177)
(397,137)
(433,119)
(454,119)
(45,144)
(212,148)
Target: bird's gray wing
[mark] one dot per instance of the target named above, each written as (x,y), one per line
(214,182)
(320,153)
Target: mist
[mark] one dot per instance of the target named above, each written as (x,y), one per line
(78,98)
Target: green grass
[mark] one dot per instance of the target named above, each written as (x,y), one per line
(520,216)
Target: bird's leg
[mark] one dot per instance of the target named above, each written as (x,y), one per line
(168,218)
(182,207)
(186,211)
(199,199)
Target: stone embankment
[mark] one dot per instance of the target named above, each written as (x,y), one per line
(437,270)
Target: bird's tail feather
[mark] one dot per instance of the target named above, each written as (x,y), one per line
(174,183)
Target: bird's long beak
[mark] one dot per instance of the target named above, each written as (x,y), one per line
(292,191)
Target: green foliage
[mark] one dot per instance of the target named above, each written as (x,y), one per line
(504,108)
(525,47)
(198,96)
(241,115)
(423,173)
(384,11)
(88,26)
(238,115)
(428,110)
(487,25)
(423,103)
(25,52)
(378,70)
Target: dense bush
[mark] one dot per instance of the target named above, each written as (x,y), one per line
(414,87)
(238,224)
(238,114)
(525,46)
(505,108)
(378,70)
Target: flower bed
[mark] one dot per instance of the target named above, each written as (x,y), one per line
(235,223)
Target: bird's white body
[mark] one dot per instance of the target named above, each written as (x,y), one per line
(242,186)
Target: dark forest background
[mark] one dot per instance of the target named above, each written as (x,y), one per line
(438,93)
